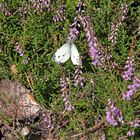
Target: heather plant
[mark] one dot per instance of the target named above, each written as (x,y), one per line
(99,97)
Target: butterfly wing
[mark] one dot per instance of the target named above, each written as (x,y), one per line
(62,54)
(75,56)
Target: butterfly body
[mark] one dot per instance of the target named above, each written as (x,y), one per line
(65,52)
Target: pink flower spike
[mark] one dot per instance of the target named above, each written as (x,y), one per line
(113,114)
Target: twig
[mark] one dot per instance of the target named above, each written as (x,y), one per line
(11,130)
(90,129)
(29,81)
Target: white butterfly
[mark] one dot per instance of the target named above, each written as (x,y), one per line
(65,52)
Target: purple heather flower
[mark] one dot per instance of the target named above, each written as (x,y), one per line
(4,9)
(39,5)
(64,84)
(59,14)
(129,69)
(92,41)
(113,33)
(94,54)
(117,23)
(73,33)
(134,123)
(78,78)
(74,28)
(47,121)
(132,88)
(80,7)
(23,10)
(113,114)
(68,105)
(98,56)
(25,61)
(124,8)
(130,133)
(19,49)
